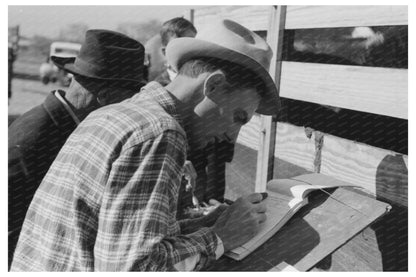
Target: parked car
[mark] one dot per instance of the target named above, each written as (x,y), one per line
(50,72)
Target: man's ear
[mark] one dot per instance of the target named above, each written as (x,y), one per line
(213,84)
(102,97)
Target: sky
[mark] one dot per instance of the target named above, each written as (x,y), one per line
(48,20)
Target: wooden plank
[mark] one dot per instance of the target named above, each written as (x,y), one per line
(241,172)
(250,133)
(368,89)
(383,173)
(255,18)
(373,250)
(300,17)
(284,267)
(314,232)
(293,146)
(265,157)
(333,233)
(359,254)
(189,15)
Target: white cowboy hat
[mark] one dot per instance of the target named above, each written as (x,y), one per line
(229,41)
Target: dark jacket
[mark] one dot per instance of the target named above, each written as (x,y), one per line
(35,139)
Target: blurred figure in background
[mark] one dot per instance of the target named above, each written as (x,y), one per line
(154,60)
(11,58)
(108,69)
(175,28)
(158,70)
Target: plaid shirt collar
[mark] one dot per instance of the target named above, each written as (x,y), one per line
(164,98)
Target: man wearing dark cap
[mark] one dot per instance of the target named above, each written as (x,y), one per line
(107,70)
(109,200)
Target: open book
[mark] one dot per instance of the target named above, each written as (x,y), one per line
(285,198)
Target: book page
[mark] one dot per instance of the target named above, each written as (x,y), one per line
(300,186)
(278,212)
(286,196)
(283,186)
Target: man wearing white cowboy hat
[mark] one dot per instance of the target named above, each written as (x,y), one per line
(108,202)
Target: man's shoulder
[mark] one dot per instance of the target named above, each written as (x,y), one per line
(144,118)
(31,123)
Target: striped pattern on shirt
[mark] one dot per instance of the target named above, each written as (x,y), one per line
(108,202)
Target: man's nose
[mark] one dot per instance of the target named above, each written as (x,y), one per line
(232,134)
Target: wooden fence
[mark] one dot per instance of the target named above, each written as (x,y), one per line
(375,90)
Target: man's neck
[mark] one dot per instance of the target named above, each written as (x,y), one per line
(188,92)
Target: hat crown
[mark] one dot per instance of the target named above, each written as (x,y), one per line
(111,55)
(107,38)
(100,46)
(236,37)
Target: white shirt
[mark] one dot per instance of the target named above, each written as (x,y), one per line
(67,107)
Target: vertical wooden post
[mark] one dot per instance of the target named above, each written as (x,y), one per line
(265,156)
(190,15)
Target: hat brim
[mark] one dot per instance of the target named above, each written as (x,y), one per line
(68,64)
(62,62)
(183,49)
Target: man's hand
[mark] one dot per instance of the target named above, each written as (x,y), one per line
(214,212)
(240,221)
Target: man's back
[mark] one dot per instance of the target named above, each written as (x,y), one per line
(61,231)
(35,139)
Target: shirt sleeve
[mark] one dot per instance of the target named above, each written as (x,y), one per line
(190,263)
(137,228)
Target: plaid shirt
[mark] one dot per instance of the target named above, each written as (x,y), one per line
(108,202)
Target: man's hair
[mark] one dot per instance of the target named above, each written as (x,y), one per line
(177,27)
(236,75)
